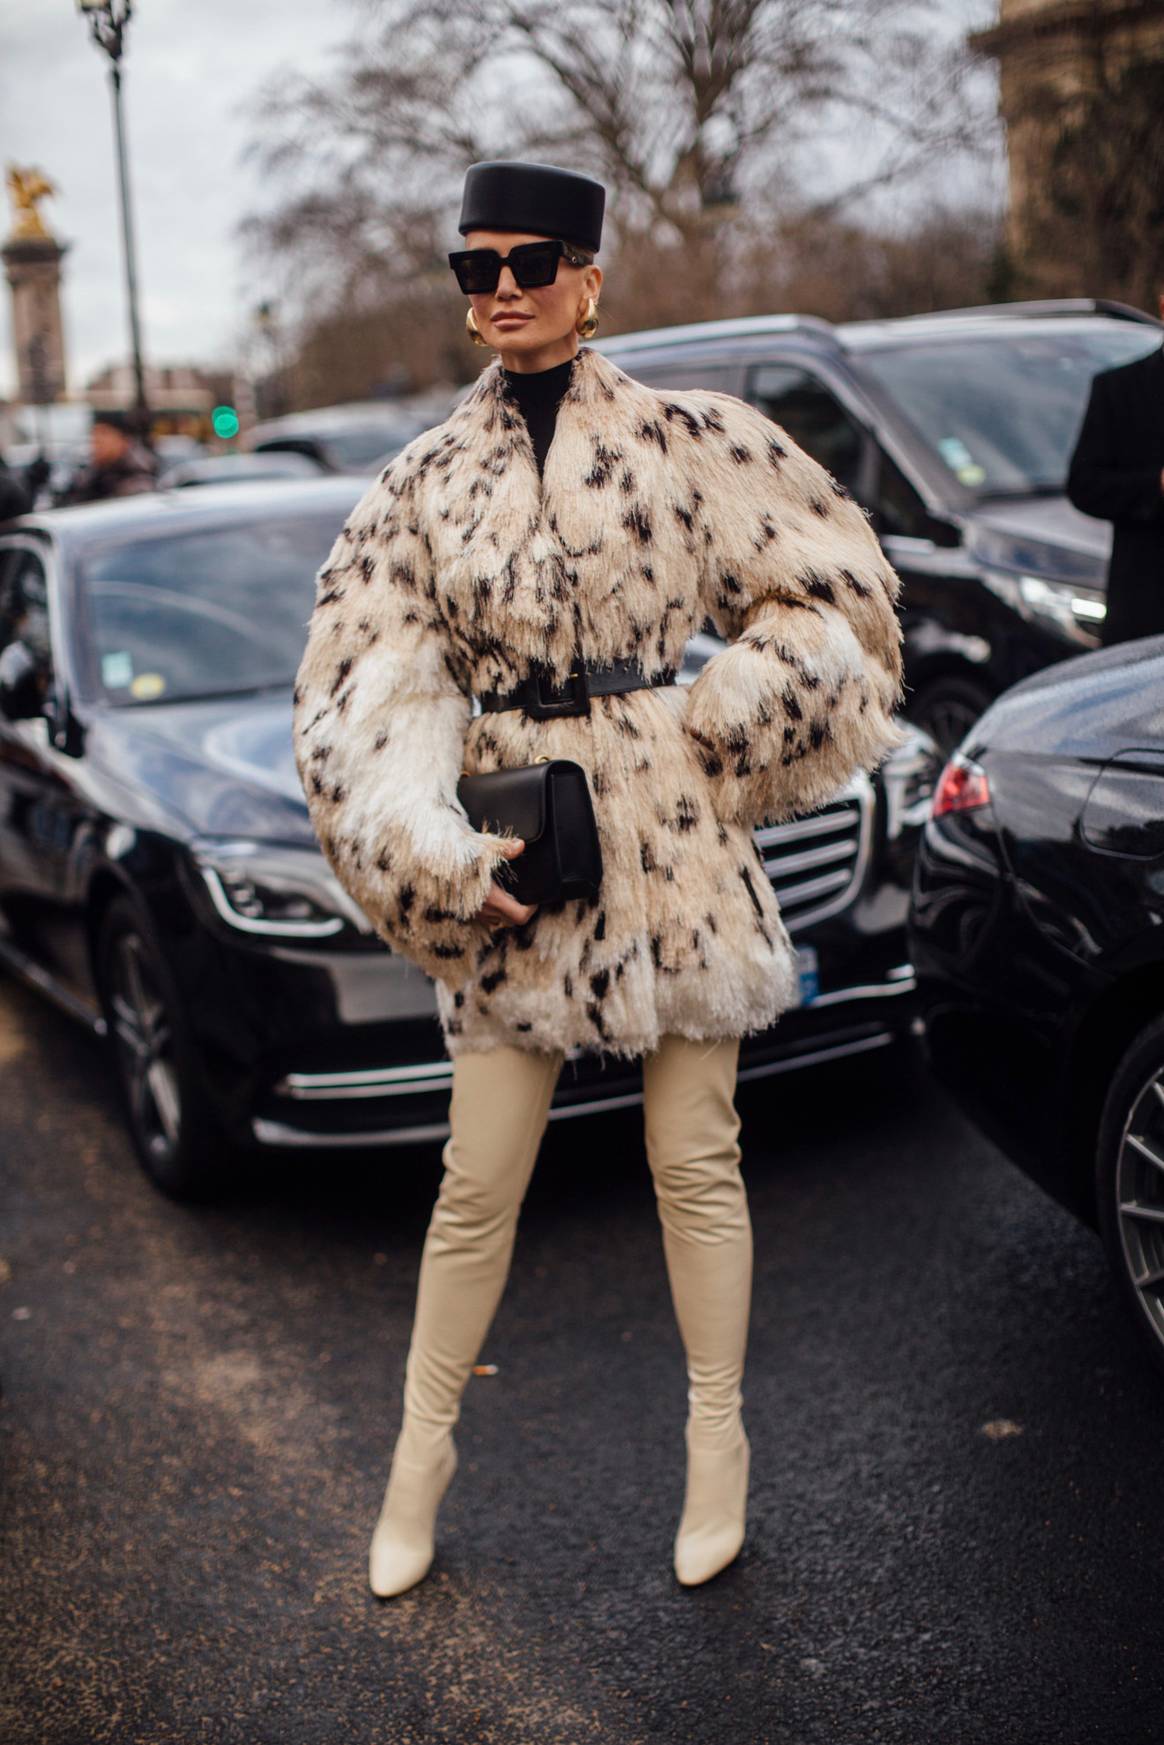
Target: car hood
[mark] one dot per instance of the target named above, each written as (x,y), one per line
(1040,536)
(1043,536)
(221,767)
(225,768)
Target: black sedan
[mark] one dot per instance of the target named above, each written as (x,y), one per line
(1037,935)
(159,877)
(357,438)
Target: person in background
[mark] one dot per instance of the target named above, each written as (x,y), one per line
(15,497)
(38,476)
(1117,475)
(120,465)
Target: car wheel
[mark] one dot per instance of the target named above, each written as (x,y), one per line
(1130,1183)
(180,1146)
(947,708)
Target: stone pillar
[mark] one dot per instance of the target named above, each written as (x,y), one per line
(33,268)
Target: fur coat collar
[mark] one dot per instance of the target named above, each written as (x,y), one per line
(460,567)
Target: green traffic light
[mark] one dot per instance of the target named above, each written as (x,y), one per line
(224,420)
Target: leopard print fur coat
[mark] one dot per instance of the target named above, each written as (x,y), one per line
(460,566)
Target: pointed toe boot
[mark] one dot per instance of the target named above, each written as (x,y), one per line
(711,1528)
(403,1542)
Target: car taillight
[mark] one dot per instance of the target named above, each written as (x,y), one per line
(962,785)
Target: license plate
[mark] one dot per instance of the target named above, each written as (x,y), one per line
(809,968)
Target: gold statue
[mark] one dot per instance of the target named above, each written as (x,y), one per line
(27,188)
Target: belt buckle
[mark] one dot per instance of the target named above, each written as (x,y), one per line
(577,703)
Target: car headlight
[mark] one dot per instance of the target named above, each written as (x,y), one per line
(281,893)
(1075,611)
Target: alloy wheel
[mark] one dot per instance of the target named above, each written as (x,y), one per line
(144,1037)
(1139,1192)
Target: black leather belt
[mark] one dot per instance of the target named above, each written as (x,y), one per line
(541,698)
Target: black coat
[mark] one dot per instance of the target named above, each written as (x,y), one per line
(1115,474)
(15,497)
(135,471)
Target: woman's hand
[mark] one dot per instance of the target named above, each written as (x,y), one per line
(500,909)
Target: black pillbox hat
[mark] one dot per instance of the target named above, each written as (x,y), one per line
(504,194)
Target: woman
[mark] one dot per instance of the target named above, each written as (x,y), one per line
(491,561)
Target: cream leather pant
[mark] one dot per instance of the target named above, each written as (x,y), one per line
(500,1102)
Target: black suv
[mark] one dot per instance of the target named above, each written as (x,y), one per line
(954,430)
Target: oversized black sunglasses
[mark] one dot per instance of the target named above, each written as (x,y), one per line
(531,263)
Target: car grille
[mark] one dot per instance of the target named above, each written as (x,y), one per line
(816,863)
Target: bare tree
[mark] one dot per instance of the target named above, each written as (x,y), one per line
(686,108)
(727,131)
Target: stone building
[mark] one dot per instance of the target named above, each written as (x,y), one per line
(180,396)
(1056,59)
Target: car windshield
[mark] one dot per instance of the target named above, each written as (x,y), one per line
(206,614)
(1002,411)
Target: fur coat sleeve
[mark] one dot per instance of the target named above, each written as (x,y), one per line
(379,719)
(793,576)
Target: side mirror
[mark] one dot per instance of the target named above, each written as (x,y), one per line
(22,690)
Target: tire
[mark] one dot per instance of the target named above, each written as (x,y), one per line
(1131,1134)
(179,1144)
(948,707)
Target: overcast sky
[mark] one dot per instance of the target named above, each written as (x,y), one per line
(192,73)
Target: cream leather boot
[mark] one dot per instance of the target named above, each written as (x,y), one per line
(403,1541)
(712,1525)
(497,1115)
(692,1133)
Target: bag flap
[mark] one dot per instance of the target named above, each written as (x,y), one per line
(509,799)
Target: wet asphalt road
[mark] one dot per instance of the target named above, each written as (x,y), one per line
(198,1408)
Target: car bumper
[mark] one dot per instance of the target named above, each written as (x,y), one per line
(403,1098)
(317,1045)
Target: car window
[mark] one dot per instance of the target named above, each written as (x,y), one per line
(211,613)
(1001,412)
(813,417)
(899,507)
(24,603)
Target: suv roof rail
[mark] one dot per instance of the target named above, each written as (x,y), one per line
(736,327)
(1046,306)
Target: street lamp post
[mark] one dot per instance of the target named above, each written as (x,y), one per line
(108,20)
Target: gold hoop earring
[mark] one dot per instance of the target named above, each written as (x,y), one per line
(588,326)
(474,331)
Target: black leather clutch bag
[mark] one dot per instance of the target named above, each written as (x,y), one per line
(548,805)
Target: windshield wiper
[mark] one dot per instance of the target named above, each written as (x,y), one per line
(1018,492)
(208,696)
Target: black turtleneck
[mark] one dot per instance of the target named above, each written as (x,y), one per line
(538,395)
